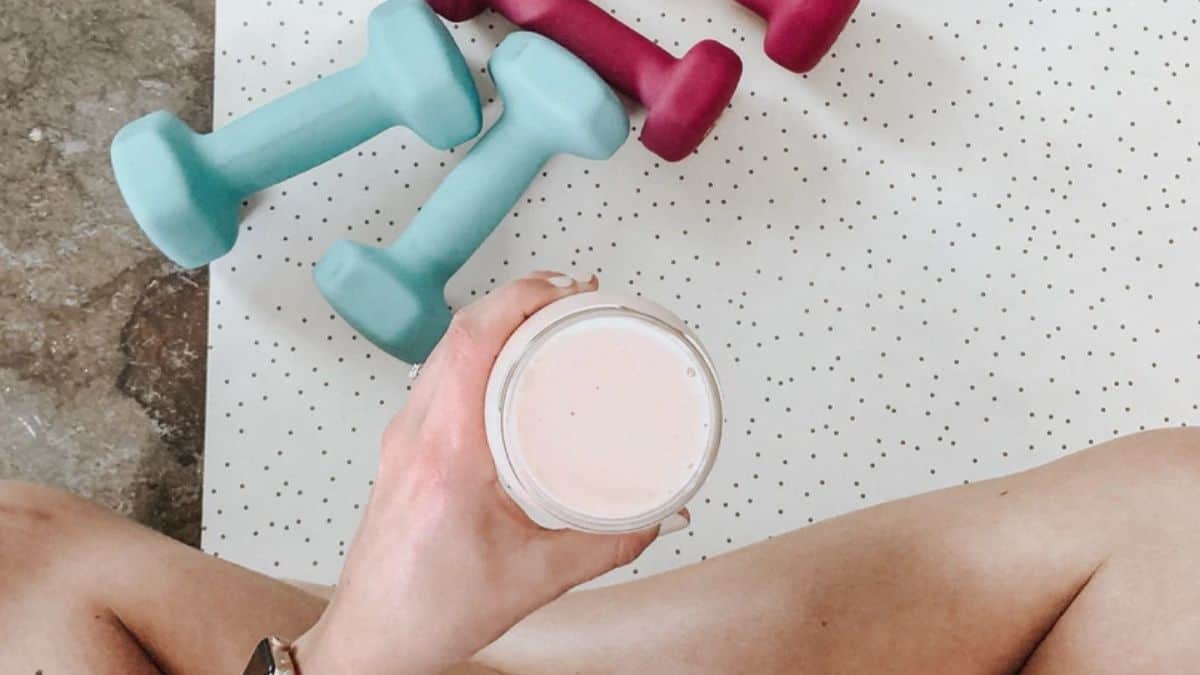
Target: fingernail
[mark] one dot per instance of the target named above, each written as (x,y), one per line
(562,281)
(673,524)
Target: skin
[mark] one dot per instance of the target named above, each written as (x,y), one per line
(1085,565)
(440,532)
(84,591)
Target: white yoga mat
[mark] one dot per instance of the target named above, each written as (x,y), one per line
(964,246)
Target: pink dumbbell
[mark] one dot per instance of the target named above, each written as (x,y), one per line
(800,32)
(684,97)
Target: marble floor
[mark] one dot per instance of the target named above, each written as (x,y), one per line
(102,341)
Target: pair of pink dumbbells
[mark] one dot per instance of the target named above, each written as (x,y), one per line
(684,97)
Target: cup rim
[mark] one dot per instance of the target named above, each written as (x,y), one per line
(527,488)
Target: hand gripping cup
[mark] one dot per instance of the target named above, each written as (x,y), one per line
(603,414)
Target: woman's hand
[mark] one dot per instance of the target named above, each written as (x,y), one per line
(444,562)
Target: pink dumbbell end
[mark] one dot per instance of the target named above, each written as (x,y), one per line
(801,32)
(683,97)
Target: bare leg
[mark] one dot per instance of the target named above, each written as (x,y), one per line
(1087,564)
(1083,565)
(84,591)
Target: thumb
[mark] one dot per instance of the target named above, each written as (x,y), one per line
(577,557)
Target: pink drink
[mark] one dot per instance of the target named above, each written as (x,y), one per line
(603,414)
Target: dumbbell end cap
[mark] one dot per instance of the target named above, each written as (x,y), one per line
(418,70)
(692,99)
(801,35)
(399,313)
(458,10)
(552,91)
(184,211)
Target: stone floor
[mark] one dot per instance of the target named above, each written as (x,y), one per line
(102,341)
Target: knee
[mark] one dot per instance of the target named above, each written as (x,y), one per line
(1160,466)
(42,530)
(24,504)
(32,516)
(1175,449)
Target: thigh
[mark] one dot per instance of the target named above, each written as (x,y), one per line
(967,580)
(1140,613)
(1087,557)
(82,590)
(46,630)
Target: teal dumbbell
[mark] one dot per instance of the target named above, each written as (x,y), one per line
(553,103)
(184,189)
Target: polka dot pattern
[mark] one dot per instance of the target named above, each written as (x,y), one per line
(962,247)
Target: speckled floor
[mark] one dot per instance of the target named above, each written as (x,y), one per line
(102,341)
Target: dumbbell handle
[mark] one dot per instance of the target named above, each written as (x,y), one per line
(471,201)
(627,59)
(290,135)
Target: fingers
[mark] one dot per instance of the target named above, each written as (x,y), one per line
(479,330)
(493,319)
(546,274)
(675,523)
(452,382)
(578,557)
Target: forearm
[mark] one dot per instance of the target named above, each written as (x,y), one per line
(325,650)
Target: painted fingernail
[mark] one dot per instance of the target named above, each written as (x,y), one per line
(673,524)
(562,281)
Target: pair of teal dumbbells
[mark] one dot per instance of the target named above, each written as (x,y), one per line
(184,189)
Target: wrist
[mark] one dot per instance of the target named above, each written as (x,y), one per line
(322,650)
(312,654)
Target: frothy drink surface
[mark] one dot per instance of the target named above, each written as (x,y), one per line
(612,416)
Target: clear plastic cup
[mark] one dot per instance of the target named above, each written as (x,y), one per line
(621,457)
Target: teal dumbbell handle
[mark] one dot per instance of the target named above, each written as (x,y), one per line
(184,189)
(306,128)
(472,201)
(553,104)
